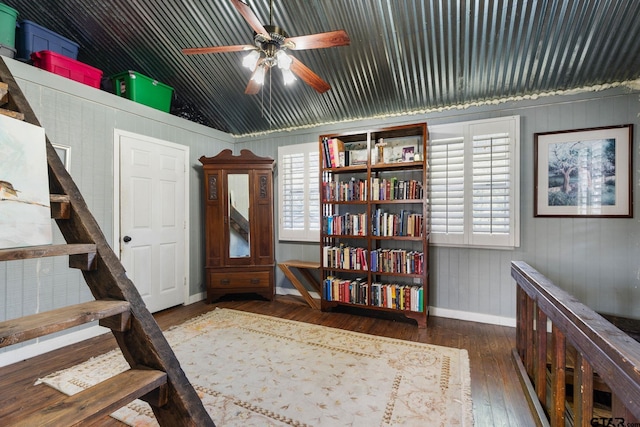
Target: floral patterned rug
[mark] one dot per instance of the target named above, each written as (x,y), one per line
(256,370)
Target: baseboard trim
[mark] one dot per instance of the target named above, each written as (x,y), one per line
(291,291)
(472,317)
(196,298)
(435,311)
(47,345)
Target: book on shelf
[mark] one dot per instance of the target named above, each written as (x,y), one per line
(397,296)
(397,261)
(333,152)
(345,225)
(354,291)
(405,223)
(395,189)
(345,257)
(345,191)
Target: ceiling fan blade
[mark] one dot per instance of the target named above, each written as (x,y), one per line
(217,49)
(308,76)
(252,88)
(320,40)
(251,18)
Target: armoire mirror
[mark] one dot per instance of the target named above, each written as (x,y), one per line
(239,229)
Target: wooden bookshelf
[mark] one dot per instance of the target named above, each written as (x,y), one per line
(375,232)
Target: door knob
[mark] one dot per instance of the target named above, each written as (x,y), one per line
(126,239)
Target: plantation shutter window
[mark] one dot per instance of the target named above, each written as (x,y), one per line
(299,192)
(474,178)
(446,181)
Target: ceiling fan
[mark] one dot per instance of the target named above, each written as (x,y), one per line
(269,48)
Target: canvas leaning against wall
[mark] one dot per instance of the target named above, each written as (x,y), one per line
(25,214)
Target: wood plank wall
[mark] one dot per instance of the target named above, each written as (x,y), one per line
(594,259)
(84,119)
(597,260)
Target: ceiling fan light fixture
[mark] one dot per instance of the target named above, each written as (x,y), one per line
(258,76)
(251,60)
(288,76)
(284,60)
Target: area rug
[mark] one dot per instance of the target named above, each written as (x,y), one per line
(256,370)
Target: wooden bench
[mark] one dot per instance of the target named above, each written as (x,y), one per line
(305,268)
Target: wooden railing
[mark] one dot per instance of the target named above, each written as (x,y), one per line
(583,352)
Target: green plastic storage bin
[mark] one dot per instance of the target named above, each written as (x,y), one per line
(8,17)
(142,89)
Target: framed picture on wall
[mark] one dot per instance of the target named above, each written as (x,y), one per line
(583,172)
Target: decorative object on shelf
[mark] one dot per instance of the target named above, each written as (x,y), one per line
(269,49)
(584,173)
(374,240)
(238,197)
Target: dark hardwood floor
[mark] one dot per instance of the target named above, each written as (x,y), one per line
(498,399)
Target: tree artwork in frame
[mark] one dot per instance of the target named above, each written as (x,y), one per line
(584,173)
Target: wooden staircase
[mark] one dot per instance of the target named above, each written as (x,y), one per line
(155,375)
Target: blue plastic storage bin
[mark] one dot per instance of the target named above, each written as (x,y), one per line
(31,37)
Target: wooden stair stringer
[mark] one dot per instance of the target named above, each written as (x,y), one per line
(143,344)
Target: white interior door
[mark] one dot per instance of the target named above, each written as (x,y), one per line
(153,230)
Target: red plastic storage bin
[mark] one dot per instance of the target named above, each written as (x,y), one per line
(67,67)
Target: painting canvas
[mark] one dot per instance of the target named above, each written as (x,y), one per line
(585,172)
(25,214)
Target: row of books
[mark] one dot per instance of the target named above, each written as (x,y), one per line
(383,224)
(398,297)
(394,189)
(403,224)
(345,290)
(347,224)
(340,191)
(333,153)
(388,295)
(381,189)
(344,257)
(397,261)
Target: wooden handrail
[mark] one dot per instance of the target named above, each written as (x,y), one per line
(600,346)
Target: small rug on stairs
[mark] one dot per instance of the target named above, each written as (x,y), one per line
(256,370)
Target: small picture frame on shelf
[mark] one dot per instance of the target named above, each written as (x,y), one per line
(358,157)
(408,154)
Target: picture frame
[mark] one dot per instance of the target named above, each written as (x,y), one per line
(584,173)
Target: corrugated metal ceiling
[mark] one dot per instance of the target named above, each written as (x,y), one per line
(404,56)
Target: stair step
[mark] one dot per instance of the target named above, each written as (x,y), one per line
(37,325)
(4,93)
(60,206)
(97,401)
(42,251)
(12,114)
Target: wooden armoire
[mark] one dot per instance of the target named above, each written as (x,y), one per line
(238,224)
